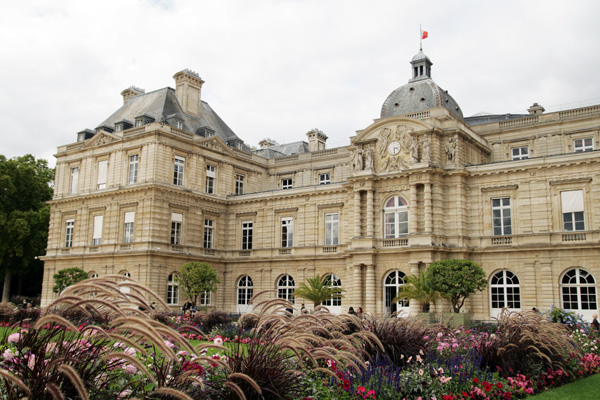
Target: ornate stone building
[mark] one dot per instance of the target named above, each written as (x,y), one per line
(164,181)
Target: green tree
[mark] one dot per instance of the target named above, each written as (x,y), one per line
(318,290)
(456,279)
(67,277)
(197,278)
(25,187)
(416,288)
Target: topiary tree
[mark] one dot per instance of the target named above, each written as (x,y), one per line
(318,290)
(456,279)
(67,277)
(197,278)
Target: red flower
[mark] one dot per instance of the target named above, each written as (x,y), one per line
(346,384)
(499,385)
(476,380)
(507,396)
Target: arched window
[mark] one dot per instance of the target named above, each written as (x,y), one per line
(393,281)
(245,290)
(578,288)
(93,275)
(125,289)
(395,218)
(505,292)
(332,280)
(285,288)
(173,289)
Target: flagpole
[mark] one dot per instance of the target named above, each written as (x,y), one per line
(420,38)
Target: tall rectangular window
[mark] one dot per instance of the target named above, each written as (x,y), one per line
(520,153)
(176,224)
(133,169)
(74,179)
(97,236)
(287,232)
(208,233)
(178,170)
(580,145)
(239,184)
(331,229)
(501,217)
(246,235)
(102,172)
(128,228)
(205,298)
(69,232)
(324,179)
(210,179)
(286,183)
(572,210)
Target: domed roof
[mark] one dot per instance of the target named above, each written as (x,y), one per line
(420,93)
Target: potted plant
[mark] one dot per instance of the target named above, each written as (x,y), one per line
(456,279)
(416,288)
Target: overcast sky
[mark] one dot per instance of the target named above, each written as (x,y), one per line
(277,68)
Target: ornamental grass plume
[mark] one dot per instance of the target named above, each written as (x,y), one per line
(526,340)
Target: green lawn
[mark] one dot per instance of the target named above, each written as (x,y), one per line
(582,389)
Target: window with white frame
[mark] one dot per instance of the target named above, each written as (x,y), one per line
(501,216)
(173,289)
(333,281)
(176,225)
(285,288)
(331,229)
(245,290)
(178,171)
(578,289)
(505,291)
(572,210)
(97,233)
(205,298)
(239,184)
(391,285)
(247,235)
(70,226)
(209,226)
(178,124)
(74,179)
(581,145)
(324,179)
(520,153)
(287,232)
(210,179)
(128,227)
(395,215)
(286,183)
(102,172)
(132,176)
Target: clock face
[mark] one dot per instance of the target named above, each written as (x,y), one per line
(394,148)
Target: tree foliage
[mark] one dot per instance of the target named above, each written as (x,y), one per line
(196,278)
(318,290)
(25,187)
(67,277)
(416,288)
(457,279)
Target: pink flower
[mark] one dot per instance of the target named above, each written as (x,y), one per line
(8,355)
(130,369)
(218,341)
(169,344)
(420,372)
(125,393)
(14,337)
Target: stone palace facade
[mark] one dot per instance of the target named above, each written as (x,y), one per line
(163,181)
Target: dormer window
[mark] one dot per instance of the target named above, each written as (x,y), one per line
(175,121)
(206,132)
(123,125)
(143,120)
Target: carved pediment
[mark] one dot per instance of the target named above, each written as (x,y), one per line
(102,138)
(215,144)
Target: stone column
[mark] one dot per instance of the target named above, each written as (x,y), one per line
(357,214)
(357,287)
(415,306)
(428,209)
(370,290)
(412,223)
(370,213)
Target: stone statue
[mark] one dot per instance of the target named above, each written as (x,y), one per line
(426,148)
(414,151)
(369,157)
(451,149)
(357,160)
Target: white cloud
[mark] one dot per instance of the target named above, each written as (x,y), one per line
(279,68)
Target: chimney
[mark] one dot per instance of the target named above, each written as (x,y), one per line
(316,140)
(267,143)
(130,92)
(536,109)
(188,85)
